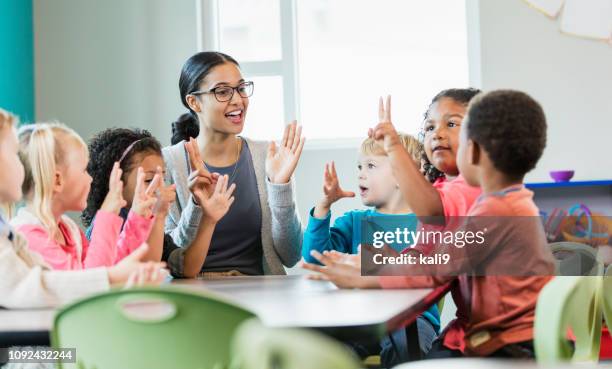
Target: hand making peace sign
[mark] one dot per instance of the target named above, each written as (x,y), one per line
(201,181)
(385,130)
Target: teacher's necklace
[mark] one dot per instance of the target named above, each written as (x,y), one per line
(231,177)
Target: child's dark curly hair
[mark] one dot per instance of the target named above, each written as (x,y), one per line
(511,127)
(107,147)
(462,96)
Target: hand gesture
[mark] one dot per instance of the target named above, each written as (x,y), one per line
(217,204)
(167,195)
(385,130)
(132,271)
(201,181)
(114,201)
(281,161)
(144,196)
(343,270)
(332,191)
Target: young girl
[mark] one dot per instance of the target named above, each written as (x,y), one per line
(28,281)
(55,159)
(135,148)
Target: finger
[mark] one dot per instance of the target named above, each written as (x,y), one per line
(348,194)
(291,136)
(381,109)
(300,147)
(370,132)
(314,267)
(131,280)
(322,258)
(192,163)
(221,184)
(230,190)
(285,136)
(388,109)
(333,170)
(154,185)
(230,201)
(139,181)
(317,277)
(297,138)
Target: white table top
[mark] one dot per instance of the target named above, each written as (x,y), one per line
(279,301)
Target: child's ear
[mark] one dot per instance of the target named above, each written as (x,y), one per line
(58,181)
(474,152)
(194,103)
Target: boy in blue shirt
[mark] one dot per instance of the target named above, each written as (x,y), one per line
(379,191)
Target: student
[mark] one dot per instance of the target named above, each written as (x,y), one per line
(135,148)
(56,158)
(502,139)
(27,281)
(378,190)
(262,231)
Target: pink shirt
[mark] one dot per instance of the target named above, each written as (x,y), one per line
(108,244)
(457,195)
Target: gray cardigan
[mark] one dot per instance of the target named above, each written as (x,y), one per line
(281,229)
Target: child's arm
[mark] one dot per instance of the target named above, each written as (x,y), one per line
(52,252)
(319,236)
(420,195)
(140,219)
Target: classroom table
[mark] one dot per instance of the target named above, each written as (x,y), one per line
(279,301)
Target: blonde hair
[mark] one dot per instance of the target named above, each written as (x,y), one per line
(414,147)
(7,120)
(42,150)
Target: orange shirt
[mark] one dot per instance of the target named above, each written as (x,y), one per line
(495,310)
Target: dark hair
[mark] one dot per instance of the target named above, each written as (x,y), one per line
(193,73)
(511,127)
(460,95)
(107,147)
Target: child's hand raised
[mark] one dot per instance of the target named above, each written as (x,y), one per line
(144,196)
(167,195)
(114,201)
(332,191)
(385,130)
(218,203)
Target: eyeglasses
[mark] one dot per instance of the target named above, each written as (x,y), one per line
(226,93)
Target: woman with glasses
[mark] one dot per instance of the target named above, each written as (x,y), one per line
(261,232)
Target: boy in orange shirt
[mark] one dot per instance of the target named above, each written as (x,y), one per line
(501,140)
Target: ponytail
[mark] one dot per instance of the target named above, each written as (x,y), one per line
(184,127)
(42,159)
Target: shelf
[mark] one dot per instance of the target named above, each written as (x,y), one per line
(569,184)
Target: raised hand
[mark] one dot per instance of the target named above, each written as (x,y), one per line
(201,181)
(281,161)
(167,195)
(385,130)
(114,201)
(145,196)
(219,202)
(332,191)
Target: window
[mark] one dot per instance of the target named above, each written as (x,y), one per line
(326,62)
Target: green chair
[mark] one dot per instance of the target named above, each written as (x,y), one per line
(149,328)
(607,297)
(576,259)
(568,302)
(258,347)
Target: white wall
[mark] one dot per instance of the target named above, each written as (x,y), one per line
(108,63)
(116,63)
(571,77)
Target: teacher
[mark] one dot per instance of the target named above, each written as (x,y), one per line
(261,232)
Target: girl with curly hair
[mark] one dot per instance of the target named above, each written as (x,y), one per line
(135,150)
